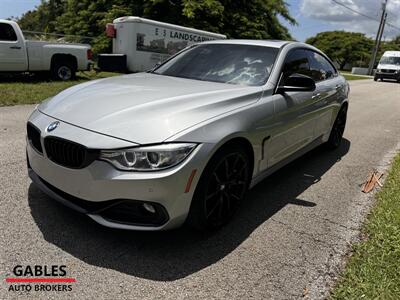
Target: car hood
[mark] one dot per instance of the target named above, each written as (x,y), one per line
(146,108)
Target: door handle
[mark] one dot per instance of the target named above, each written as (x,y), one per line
(15,47)
(316,96)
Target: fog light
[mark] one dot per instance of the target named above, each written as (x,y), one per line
(149,208)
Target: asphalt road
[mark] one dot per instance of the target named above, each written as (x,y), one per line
(288,241)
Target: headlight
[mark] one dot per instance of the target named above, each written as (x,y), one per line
(148,158)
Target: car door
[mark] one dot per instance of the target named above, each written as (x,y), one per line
(328,85)
(12,50)
(294,118)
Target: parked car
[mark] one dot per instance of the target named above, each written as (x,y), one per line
(389,66)
(139,44)
(18,55)
(184,142)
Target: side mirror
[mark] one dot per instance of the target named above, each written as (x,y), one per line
(297,83)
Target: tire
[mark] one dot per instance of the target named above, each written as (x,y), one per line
(336,136)
(375,78)
(221,189)
(63,71)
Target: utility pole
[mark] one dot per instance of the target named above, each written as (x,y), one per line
(381,33)
(378,38)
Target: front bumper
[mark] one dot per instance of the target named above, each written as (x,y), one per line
(385,75)
(94,189)
(119,213)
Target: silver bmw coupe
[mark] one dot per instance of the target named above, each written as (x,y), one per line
(183,142)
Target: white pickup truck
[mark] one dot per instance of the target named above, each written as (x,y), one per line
(60,60)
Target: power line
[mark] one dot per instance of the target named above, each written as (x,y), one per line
(361,14)
(355,11)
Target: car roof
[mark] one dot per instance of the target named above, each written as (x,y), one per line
(7,21)
(265,43)
(392,53)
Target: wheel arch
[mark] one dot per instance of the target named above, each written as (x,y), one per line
(237,140)
(345,104)
(60,57)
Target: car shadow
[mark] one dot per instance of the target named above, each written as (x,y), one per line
(26,77)
(167,256)
(388,81)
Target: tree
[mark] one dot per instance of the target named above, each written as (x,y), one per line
(344,47)
(43,18)
(255,19)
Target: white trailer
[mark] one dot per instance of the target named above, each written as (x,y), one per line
(143,43)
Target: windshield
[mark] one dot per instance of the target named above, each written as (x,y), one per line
(390,60)
(226,63)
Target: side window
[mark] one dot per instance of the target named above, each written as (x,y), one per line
(320,68)
(7,33)
(296,62)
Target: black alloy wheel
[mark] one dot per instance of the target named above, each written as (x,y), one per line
(221,189)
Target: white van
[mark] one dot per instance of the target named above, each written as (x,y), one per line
(142,43)
(389,66)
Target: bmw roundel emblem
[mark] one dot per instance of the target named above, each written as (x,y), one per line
(52,126)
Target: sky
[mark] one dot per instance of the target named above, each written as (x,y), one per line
(313,16)
(16,8)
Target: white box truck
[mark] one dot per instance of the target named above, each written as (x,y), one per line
(139,44)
